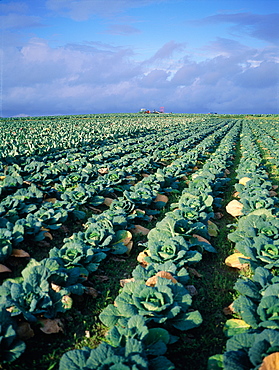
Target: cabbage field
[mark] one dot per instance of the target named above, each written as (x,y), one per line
(139,241)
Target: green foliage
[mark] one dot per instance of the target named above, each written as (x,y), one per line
(82,195)
(215,362)
(30,227)
(174,224)
(154,340)
(50,217)
(96,158)
(257,238)
(11,346)
(144,273)
(112,219)
(5,244)
(99,235)
(32,294)
(175,249)
(196,207)
(247,350)
(140,195)
(132,356)
(165,303)
(75,253)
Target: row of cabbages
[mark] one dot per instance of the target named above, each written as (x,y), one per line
(28,210)
(254,336)
(267,135)
(45,288)
(40,136)
(157,299)
(41,193)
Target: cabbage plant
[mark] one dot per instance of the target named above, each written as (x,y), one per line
(247,350)
(11,346)
(165,303)
(257,237)
(132,356)
(196,207)
(258,303)
(76,253)
(5,244)
(33,294)
(144,273)
(176,250)
(154,340)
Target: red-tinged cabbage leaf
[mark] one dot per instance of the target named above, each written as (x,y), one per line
(144,273)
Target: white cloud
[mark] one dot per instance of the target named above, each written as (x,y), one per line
(166,51)
(156,78)
(99,77)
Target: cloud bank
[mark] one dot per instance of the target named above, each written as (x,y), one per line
(98,77)
(44,80)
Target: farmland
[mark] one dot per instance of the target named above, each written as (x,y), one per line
(146,241)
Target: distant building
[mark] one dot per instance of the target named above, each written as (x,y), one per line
(144,110)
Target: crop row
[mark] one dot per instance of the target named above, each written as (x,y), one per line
(253,334)
(123,179)
(43,194)
(38,138)
(44,287)
(268,137)
(156,300)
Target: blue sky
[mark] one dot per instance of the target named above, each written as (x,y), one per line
(102,56)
